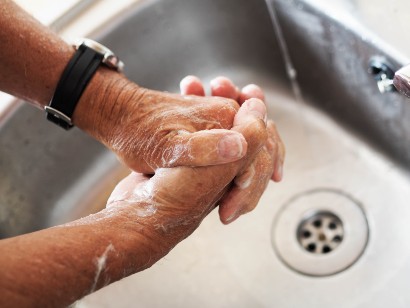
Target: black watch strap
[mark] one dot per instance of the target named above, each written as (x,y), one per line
(78,72)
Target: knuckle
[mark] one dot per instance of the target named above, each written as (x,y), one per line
(223,111)
(260,129)
(272,146)
(234,106)
(256,134)
(170,151)
(271,126)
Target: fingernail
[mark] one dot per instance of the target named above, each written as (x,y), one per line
(280,172)
(231,146)
(183,85)
(191,85)
(245,180)
(257,108)
(231,218)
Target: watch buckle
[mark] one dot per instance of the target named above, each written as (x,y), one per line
(58,115)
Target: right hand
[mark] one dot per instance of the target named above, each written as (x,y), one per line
(149,129)
(174,201)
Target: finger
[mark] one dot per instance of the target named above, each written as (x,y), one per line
(251,91)
(248,188)
(204,148)
(224,87)
(246,192)
(277,149)
(210,183)
(251,108)
(191,85)
(218,146)
(250,183)
(250,122)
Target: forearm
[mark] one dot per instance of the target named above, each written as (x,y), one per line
(32,57)
(146,129)
(56,266)
(146,217)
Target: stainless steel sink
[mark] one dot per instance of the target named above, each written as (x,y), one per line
(348,161)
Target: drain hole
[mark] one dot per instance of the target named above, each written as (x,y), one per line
(317,223)
(333,225)
(326,249)
(311,247)
(337,239)
(320,233)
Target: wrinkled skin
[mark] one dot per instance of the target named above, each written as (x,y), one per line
(145,218)
(146,129)
(180,197)
(251,182)
(171,131)
(251,179)
(149,129)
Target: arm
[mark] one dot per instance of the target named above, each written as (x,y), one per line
(144,220)
(32,58)
(55,267)
(146,129)
(126,118)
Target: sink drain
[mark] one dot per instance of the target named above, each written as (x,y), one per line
(320,232)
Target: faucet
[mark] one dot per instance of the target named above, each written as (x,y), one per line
(382,72)
(401,80)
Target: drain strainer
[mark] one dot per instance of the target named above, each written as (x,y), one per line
(320,232)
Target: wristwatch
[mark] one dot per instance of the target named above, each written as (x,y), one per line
(80,69)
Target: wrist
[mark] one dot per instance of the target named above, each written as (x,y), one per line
(100,107)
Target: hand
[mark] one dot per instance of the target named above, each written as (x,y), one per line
(149,129)
(144,219)
(252,180)
(175,200)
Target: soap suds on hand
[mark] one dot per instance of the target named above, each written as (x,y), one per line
(100,263)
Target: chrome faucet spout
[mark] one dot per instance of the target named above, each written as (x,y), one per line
(401,80)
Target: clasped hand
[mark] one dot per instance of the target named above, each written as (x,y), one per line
(252,154)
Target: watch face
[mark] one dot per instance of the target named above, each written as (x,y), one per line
(110,59)
(113,62)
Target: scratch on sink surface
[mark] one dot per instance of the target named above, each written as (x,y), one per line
(100,263)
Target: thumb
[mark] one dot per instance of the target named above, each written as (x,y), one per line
(250,121)
(204,148)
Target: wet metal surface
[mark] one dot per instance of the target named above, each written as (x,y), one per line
(343,135)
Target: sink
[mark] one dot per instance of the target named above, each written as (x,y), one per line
(347,164)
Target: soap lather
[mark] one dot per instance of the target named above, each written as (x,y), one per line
(401,80)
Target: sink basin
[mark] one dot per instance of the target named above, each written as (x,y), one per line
(347,158)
